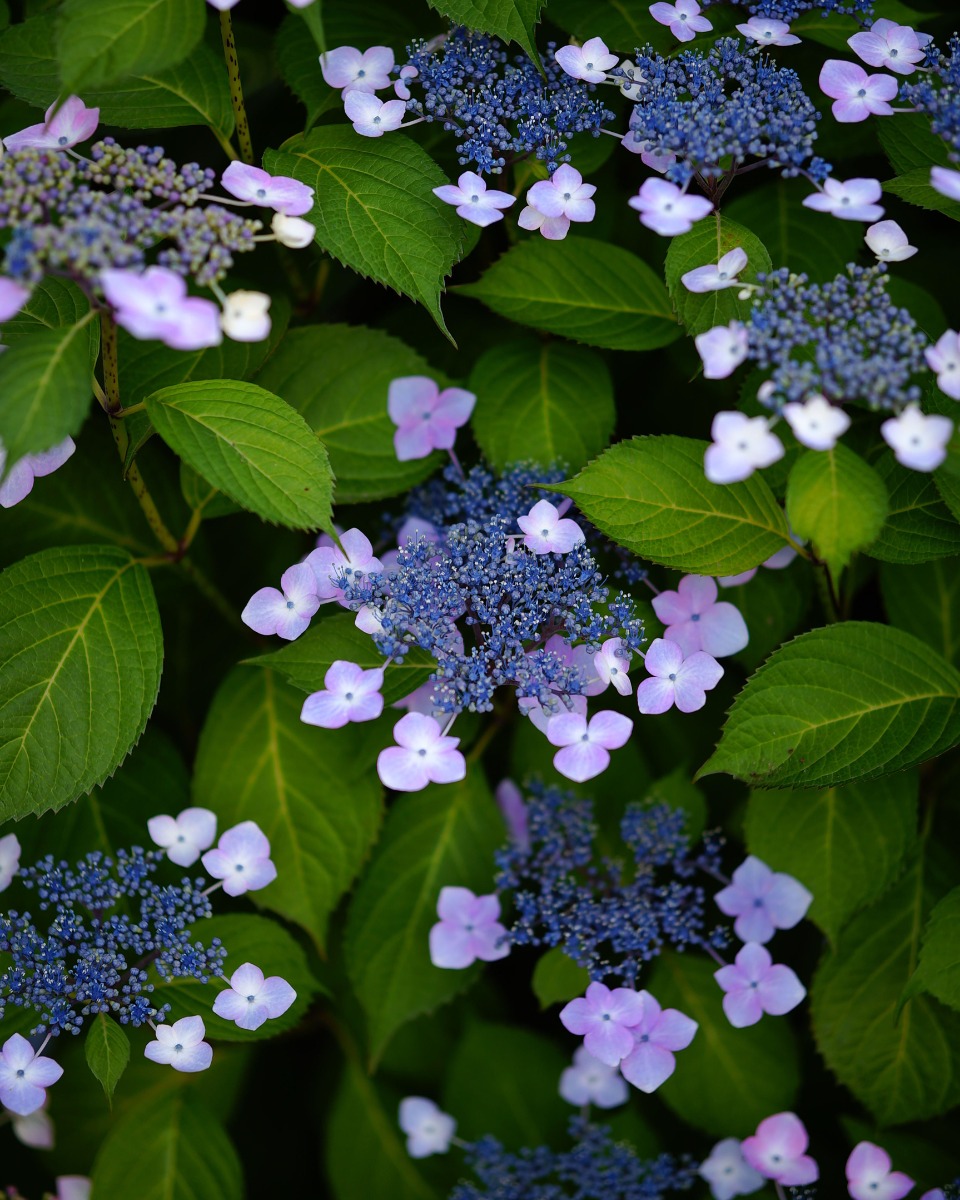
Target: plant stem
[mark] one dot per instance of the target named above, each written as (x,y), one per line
(225,143)
(236,89)
(111,374)
(142,493)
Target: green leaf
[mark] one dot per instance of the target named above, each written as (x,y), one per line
(902,1068)
(938,971)
(247,939)
(297,60)
(490,1086)
(557,978)
(915,188)
(623,24)
(438,837)
(337,377)
(583,289)
(531,404)
(204,496)
(44,389)
(919,526)
(835,32)
(837,502)
(53,304)
(375,210)
(793,235)
(911,144)
(846,845)
(187,1155)
(924,599)
(649,495)
(101,41)
(313,792)
(947,476)
(107,1050)
(511,20)
(305,661)
(80,657)
(252,446)
(853,701)
(727,1080)
(705,244)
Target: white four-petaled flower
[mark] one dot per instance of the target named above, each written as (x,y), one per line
(741,445)
(589,62)
(181,1046)
(816,422)
(250,999)
(715,277)
(474,201)
(185,836)
(888,242)
(918,440)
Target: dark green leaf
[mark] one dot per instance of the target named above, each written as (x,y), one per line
(924,599)
(623,24)
(911,144)
(557,978)
(80,657)
(915,188)
(107,1049)
(583,289)
(204,496)
(53,304)
(299,66)
(938,971)
(947,476)
(919,526)
(855,700)
(511,20)
(649,495)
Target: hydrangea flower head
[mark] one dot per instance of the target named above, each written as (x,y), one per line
(728,1172)
(250,1000)
(604,1018)
(18,481)
(241,859)
(372,117)
(676,679)
(755,985)
(422,755)
(181,1046)
(185,836)
(870,1177)
(681,18)
(891,46)
(855,94)
(25,1076)
(696,620)
(716,277)
(918,440)
(740,445)
(546,532)
(766,31)
(667,209)
(657,1036)
(347,68)
(426,418)
(762,901)
(428,1130)
(469,929)
(816,423)
(589,62)
(349,694)
(888,242)
(777,1151)
(287,612)
(474,201)
(154,304)
(585,747)
(63,127)
(256,186)
(852,200)
(590,1081)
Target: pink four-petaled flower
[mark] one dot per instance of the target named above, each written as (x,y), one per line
(349,694)
(887,44)
(696,620)
(585,747)
(754,984)
(918,440)
(422,755)
(335,568)
(590,1081)
(428,1130)
(154,304)
(943,359)
(426,418)
(372,117)
(716,276)
(589,62)
(870,1177)
(850,200)
(287,612)
(546,532)
(256,186)
(62,128)
(656,1037)
(762,901)
(185,836)
(728,1172)
(855,94)
(682,19)
(25,1076)
(675,679)
(740,445)
(604,1018)
(767,32)
(250,999)
(241,859)
(553,203)
(474,201)
(722,349)
(469,928)
(181,1046)
(777,1149)
(347,68)
(667,209)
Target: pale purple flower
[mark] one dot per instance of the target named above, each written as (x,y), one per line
(658,1034)
(946,182)
(9,859)
(696,620)
(181,1046)
(754,984)
(855,94)
(888,242)
(73,1187)
(555,202)
(285,613)
(586,747)
(590,1081)
(546,532)
(428,1130)
(944,360)
(740,445)
(34,1130)
(426,418)
(540,717)
(13,296)
(918,441)
(682,19)
(245,316)
(675,679)
(417,529)
(604,1018)
(816,422)
(648,155)
(241,859)
(24,1076)
(186,836)
(256,186)
(510,801)
(19,479)
(469,928)
(250,999)
(934,1194)
(350,694)
(589,62)
(346,68)
(334,567)
(776,1150)
(474,201)
(869,1175)
(763,901)
(422,755)
(716,276)
(887,44)
(666,208)
(728,1172)
(722,349)
(400,89)
(293,232)
(851,200)
(154,304)
(372,117)
(609,665)
(767,32)
(62,128)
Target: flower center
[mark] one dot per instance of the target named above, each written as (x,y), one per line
(289,604)
(474,199)
(376,120)
(181,838)
(261,192)
(694,616)
(250,999)
(361,73)
(845,200)
(672,677)
(422,753)
(585,737)
(566,195)
(348,695)
(862,92)
(62,141)
(178,1047)
(893,54)
(21,1073)
(238,866)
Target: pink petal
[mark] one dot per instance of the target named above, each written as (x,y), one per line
(447,767)
(276,995)
(648,1066)
(701,671)
(674,1030)
(655,696)
(663,658)
(698,592)
(723,630)
(566,728)
(581,761)
(608,1041)
(412,442)
(402,770)
(610,729)
(451,946)
(454,406)
(263,610)
(742,1008)
(780,990)
(671,607)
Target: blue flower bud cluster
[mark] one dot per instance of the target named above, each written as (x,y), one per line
(594,1168)
(607,916)
(108,922)
(480,494)
(76,217)
(845,339)
(790,10)
(938,94)
(498,104)
(721,110)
